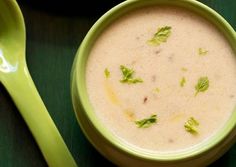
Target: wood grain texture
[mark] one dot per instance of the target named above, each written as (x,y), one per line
(53,37)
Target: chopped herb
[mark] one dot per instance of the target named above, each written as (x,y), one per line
(184,69)
(202,85)
(202,52)
(191,125)
(129,112)
(156,90)
(182,82)
(128,76)
(107,73)
(160,36)
(147,122)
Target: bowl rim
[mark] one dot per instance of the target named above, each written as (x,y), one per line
(80,66)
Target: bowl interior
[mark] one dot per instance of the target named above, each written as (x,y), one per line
(80,67)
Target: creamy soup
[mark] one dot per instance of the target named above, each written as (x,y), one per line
(162,78)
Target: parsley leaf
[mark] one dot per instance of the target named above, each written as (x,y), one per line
(128,76)
(147,122)
(191,125)
(202,85)
(182,82)
(202,52)
(107,73)
(160,36)
(184,69)
(156,90)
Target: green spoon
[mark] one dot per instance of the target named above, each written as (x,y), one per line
(14,75)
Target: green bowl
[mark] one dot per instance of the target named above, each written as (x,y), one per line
(113,148)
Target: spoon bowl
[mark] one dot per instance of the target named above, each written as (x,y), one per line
(15,77)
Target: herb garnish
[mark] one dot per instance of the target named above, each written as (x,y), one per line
(182,82)
(107,73)
(184,69)
(147,122)
(191,125)
(156,90)
(202,85)
(128,76)
(160,36)
(202,52)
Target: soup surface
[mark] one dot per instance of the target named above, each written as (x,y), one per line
(162,78)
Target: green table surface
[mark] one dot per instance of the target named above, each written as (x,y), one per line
(54,32)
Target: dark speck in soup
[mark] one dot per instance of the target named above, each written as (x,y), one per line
(231,96)
(170,141)
(157,52)
(171,58)
(153,78)
(145,99)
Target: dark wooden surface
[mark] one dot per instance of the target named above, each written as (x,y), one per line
(54,32)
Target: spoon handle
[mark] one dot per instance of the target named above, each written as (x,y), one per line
(24,94)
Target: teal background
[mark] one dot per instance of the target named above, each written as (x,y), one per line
(54,32)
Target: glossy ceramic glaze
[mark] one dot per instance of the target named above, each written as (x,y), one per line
(119,152)
(14,75)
